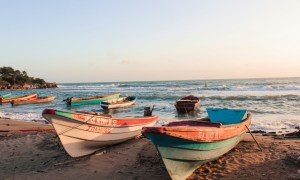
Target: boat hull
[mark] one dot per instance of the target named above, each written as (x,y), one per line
(118,103)
(90,100)
(186,145)
(187,104)
(181,157)
(33,101)
(82,138)
(8,100)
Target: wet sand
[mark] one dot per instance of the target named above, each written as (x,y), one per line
(38,155)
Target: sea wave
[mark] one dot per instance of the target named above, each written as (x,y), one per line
(22,116)
(265,88)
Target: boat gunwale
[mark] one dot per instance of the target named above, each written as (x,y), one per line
(93,98)
(32,101)
(104,126)
(154,118)
(194,128)
(202,142)
(199,134)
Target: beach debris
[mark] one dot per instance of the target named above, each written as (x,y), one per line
(258,131)
(280,132)
(139,136)
(71,161)
(294,158)
(40,171)
(101,153)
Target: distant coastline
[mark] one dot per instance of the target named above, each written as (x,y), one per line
(11,79)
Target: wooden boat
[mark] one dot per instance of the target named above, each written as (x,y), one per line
(187,104)
(280,132)
(8,100)
(118,103)
(83,133)
(43,99)
(6,95)
(186,145)
(90,100)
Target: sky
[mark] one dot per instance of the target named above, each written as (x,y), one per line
(106,41)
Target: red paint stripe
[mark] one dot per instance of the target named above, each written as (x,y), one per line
(200,133)
(134,121)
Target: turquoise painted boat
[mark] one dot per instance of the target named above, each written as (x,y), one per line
(186,145)
(90,100)
(6,95)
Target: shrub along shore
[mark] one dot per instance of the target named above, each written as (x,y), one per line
(11,79)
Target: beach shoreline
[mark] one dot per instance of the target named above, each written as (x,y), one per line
(37,154)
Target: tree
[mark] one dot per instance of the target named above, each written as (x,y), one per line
(17,79)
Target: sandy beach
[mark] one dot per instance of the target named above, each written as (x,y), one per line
(38,155)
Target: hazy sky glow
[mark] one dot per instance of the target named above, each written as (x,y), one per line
(134,40)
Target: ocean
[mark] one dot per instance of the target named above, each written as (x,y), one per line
(274,103)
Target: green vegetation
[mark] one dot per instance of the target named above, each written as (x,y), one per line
(15,79)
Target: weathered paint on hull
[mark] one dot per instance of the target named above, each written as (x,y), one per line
(187,107)
(93,101)
(8,100)
(77,147)
(187,104)
(90,102)
(118,103)
(181,157)
(180,170)
(83,138)
(33,101)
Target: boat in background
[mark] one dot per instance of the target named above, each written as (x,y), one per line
(187,104)
(8,100)
(280,132)
(6,95)
(43,99)
(118,103)
(83,133)
(186,145)
(90,100)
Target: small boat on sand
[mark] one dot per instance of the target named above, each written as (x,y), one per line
(8,100)
(118,103)
(83,133)
(43,99)
(187,104)
(186,145)
(90,100)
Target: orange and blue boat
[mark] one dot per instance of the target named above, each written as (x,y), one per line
(186,145)
(43,99)
(8,100)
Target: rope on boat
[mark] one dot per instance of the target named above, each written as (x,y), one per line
(71,128)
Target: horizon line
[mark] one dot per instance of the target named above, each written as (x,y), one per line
(184,80)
